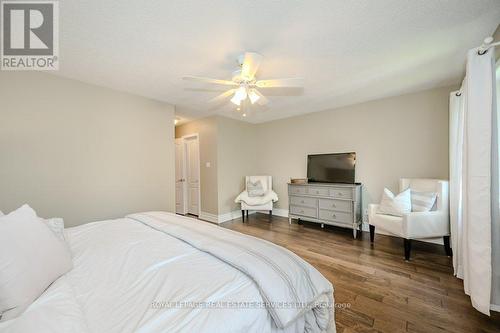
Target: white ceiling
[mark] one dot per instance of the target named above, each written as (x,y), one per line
(346,51)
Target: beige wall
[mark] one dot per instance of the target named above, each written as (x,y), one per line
(207,130)
(237,158)
(229,146)
(404,136)
(82,152)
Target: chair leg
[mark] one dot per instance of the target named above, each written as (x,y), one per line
(243,215)
(247,214)
(372,233)
(270,214)
(407,249)
(447,248)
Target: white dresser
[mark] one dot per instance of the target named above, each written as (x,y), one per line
(334,204)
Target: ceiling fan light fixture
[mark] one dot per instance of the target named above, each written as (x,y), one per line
(241,93)
(239,96)
(235,100)
(244,83)
(253,96)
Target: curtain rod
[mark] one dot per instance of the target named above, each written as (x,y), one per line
(487,43)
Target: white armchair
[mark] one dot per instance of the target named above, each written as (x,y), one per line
(260,203)
(417,225)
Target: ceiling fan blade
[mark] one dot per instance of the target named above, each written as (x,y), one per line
(209,80)
(222,96)
(281,83)
(262,100)
(251,63)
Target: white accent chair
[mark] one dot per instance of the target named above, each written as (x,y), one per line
(260,203)
(416,225)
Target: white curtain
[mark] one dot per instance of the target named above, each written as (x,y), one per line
(495,201)
(473,140)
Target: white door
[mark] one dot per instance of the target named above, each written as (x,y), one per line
(180,178)
(193,174)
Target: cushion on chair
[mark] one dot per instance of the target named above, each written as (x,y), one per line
(269,196)
(395,205)
(422,201)
(388,223)
(255,189)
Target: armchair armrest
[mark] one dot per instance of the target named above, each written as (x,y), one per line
(372,209)
(426,224)
(240,196)
(273,195)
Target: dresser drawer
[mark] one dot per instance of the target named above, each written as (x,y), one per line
(304,211)
(341,193)
(340,217)
(318,190)
(338,205)
(304,201)
(300,190)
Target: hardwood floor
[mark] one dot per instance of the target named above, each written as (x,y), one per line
(385,293)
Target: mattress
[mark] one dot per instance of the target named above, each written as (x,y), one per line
(136,275)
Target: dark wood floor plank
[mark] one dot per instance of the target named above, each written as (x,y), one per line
(384,293)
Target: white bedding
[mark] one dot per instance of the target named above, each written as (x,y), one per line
(122,266)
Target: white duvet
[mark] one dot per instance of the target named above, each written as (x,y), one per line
(131,275)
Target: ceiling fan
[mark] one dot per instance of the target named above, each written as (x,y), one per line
(245,84)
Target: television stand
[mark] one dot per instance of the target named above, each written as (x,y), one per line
(326,203)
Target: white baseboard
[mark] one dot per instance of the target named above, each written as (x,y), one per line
(284,213)
(222,217)
(280,212)
(208,217)
(231,216)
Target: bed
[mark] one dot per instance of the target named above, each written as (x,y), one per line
(161,272)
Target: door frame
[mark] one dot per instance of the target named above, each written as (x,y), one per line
(197,137)
(183,176)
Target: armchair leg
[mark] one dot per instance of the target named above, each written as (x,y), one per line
(407,249)
(372,233)
(270,214)
(247,214)
(243,215)
(447,248)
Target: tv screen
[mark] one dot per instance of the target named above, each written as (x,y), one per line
(331,168)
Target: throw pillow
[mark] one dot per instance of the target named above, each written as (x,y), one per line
(255,189)
(422,201)
(31,257)
(395,205)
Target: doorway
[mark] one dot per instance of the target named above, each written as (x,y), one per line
(187,175)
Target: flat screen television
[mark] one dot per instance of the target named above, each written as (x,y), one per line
(331,168)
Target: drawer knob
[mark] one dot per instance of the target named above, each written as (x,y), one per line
(317,192)
(302,211)
(340,194)
(334,216)
(302,201)
(333,205)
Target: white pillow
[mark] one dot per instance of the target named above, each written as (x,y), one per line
(255,189)
(31,258)
(395,205)
(56,224)
(422,201)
